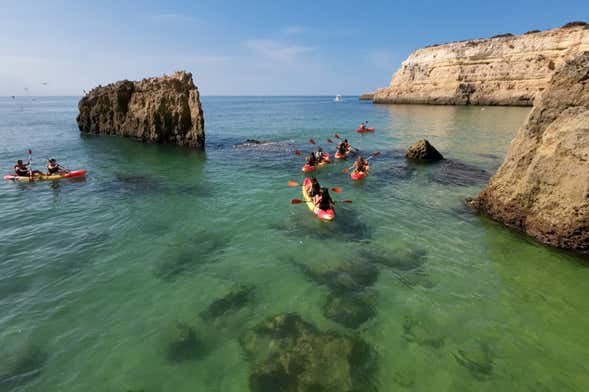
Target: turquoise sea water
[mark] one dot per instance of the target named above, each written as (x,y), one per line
(96,276)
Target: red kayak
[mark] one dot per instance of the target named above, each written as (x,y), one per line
(360,175)
(364,130)
(44,177)
(323,215)
(339,155)
(308,168)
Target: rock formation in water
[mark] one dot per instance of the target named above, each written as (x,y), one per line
(423,151)
(367,97)
(290,354)
(503,70)
(163,110)
(542,187)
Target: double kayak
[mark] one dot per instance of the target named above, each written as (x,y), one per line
(360,175)
(309,168)
(44,177)
(364,130)
(323,215)
(339,155)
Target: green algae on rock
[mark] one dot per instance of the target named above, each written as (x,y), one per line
(290,354)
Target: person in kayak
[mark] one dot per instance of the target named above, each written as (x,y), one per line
(360,164)
(346,144)
(311,160)
(325,201)
(341,148)
(53,168)
(319,155)
(314,190)
(362,126)
(21,169)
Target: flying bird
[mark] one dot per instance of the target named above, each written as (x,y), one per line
(44,83)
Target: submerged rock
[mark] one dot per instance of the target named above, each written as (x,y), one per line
(21,367)
(163,110)
(401,258)
(342,276)
(422,332)
(477,359)
(541,187)
(290,354)
(457,173)
(206,249)
(423,151)
(233,301)
(349,309)
(184,344)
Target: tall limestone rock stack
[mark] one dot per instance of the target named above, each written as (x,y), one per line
(542,187)
(156,110)
(504,70)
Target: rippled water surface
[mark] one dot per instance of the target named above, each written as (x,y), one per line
(147,275)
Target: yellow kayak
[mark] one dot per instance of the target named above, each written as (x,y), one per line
(44,177)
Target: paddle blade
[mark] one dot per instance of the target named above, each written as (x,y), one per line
(336,136)
(346,171)
(297,152)
(336,189)
(296,201)
(329,141)
(311,141)
(30,151)
(346,201)
(375,154)
(292,183)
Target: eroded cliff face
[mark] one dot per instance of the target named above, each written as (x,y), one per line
(506,70)
(164,110)
(542,187)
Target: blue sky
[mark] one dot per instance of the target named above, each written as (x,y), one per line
(243,48)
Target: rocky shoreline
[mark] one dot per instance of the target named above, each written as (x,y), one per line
(502,70)
(542,187)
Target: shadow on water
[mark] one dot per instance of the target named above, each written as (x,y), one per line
(346,227)
(184,258)
(21,367)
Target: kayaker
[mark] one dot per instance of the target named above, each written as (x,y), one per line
(314,190)
(360,164)
(341,148)
(325,200)
(311,160)
(21,169)
(362,126)
(346,144)
(319,155)
(52,167)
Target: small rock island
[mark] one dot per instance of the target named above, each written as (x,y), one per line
(165,110)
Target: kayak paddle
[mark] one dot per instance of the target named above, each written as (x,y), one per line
(311,141)
(29,165)
(299,201)
(297,152)
(329,141)
(336,189)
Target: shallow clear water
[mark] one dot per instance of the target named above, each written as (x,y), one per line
(95,275)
